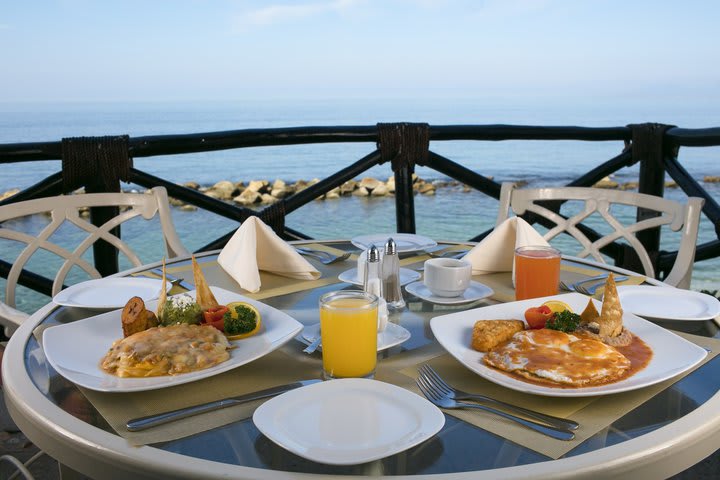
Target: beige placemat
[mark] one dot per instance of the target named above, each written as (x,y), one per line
(276,368)
(592,413)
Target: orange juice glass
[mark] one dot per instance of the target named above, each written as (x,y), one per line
(348,327)
(537,272)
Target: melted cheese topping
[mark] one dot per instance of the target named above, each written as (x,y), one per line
(555,357)
(168,350)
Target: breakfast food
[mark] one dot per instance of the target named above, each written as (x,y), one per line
(487,334)
(557,358)
(170,350)
(136,318)
(608,325)
(180,309)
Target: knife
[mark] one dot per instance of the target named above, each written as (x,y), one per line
(143,423)
(181,282)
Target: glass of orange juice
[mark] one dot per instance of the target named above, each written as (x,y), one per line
(348,327)
(537,272)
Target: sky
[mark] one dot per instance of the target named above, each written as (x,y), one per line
(93,50)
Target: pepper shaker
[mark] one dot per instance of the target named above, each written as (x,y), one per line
(391,276)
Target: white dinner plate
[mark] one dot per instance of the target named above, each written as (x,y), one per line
(405,242)
(668,303)
(75,349)
(393,334)
(111,292)
(348,421)
(351,276)
(476,291)
(672,355)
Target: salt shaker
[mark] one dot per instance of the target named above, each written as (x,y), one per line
(373,284)
(391,276)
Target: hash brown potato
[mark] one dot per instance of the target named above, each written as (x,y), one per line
(490,333)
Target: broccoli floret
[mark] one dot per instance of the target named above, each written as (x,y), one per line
(565,321)
(244,322)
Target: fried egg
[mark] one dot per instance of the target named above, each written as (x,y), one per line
(554,357)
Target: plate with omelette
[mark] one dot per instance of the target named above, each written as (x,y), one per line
(605,350)
(169,341)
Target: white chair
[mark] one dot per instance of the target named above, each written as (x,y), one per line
(68,208)
(684,217)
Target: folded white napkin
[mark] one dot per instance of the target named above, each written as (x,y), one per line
(255,247)
(496,253)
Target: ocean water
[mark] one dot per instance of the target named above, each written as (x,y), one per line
(451,214)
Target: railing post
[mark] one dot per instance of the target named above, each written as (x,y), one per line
(648,148)
(404,145)
(98,164)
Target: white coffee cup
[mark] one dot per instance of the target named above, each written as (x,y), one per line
(447,277)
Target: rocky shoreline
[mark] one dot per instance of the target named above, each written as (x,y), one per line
(264,192)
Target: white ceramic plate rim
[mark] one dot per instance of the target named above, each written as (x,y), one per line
(656,303)
(78,360)
(406,242)
(475,291)
(672,355)
(393,335)
(270,419)
(122,288)
(351,276)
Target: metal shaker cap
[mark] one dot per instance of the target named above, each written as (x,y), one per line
(390,247)
(373,254)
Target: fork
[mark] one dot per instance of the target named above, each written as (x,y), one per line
(444,402)
(325,258)
(593,288)
(578,286)
(432,377)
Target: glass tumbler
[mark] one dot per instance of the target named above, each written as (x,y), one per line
(537,272)
(348,327)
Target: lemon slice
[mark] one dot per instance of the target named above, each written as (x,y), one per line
(233,313)
(557,306)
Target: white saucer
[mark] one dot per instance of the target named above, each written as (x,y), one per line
(348,421)
(351,276)
(476,291)
(393,335)
(668,303)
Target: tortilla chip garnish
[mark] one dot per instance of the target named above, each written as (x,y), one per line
(590,314)
(203,295)
(610,320)
(163,293)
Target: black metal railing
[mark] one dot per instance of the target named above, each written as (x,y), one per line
(100,163)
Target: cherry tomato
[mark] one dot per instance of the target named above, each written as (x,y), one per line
(537,316)
(214,317)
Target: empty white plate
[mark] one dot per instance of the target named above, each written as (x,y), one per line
(393,335)
(668,303)
(476,291)
(348,421)
(405,242)
(351,276)
(111,292)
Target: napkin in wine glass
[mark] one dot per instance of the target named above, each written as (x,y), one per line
(496,252)
(255,247)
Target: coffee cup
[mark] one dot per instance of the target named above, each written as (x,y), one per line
(447,277)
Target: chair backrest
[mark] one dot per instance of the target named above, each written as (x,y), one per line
(67,208)
(676,216)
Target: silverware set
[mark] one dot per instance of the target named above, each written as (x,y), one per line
(583,287)
(324,257)
(174,281)
(443,395)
